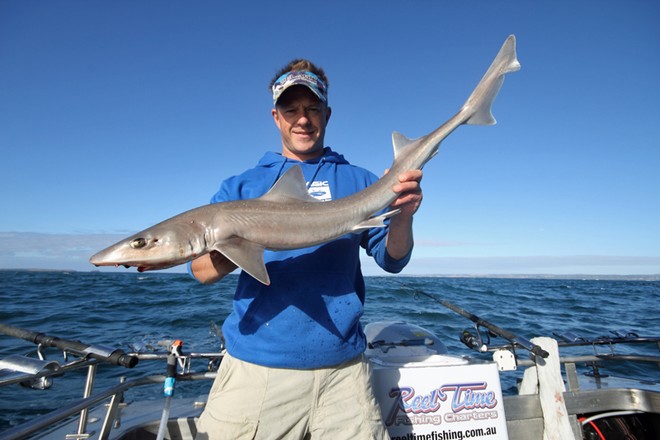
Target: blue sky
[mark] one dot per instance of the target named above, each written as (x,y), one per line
(117,115)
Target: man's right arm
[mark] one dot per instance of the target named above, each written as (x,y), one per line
(211,267)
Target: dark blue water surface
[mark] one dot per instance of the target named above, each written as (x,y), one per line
(131,311)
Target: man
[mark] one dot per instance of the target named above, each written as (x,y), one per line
(295,367)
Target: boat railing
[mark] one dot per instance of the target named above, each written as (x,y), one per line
(114,394)
(38,373)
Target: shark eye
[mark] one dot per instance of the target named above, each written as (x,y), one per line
(138,243)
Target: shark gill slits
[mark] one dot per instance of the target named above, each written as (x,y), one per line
(138,243)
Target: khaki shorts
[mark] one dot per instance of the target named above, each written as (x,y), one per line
(248,401)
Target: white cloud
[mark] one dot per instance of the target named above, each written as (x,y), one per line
(32,250)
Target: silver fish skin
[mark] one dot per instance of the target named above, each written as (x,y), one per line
(287,217)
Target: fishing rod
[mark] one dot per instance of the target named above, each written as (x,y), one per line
(469,339)
(569,339)
(98,352)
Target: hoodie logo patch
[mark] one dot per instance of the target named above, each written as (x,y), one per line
(320,190)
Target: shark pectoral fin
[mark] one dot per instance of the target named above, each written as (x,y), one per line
(247,255)
(374,222)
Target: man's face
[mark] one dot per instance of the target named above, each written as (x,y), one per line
(301,118)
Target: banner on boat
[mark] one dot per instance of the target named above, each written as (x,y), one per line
(439,398)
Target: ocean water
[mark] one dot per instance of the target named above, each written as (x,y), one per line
(130,311)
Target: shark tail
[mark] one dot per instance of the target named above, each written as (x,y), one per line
(478,106)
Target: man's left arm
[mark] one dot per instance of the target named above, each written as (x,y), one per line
(400,234)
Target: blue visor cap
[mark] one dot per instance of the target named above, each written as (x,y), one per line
(302,78)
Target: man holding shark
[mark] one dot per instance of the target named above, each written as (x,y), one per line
(295,366)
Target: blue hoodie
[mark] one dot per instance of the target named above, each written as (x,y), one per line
(309,316)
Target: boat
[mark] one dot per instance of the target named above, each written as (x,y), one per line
(425,392)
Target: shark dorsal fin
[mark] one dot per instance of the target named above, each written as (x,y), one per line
(400,142)
(290,186)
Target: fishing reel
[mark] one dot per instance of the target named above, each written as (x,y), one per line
(474,339)
(478,339)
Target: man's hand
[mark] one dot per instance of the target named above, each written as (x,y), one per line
(211,267)
(409,199)
(409,192)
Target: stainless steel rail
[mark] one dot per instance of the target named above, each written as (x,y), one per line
(47,420)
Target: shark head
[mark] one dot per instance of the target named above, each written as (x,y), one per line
(159,247)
